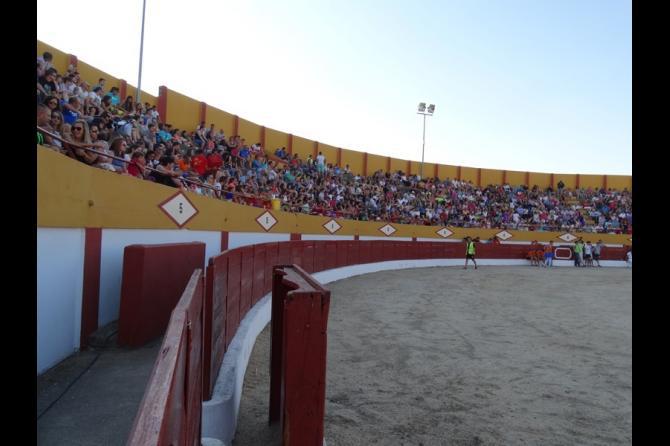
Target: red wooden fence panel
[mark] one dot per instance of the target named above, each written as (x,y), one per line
(259,273)
(233,300)
(319,255)
(271,259)
(246,279)
(308,255)
(331,255)
(341,253)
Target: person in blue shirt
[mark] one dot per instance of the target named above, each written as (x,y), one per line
(114,94)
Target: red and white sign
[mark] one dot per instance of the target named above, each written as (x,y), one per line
(179,209)
(266,220)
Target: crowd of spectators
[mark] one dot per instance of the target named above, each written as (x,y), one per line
(129,138)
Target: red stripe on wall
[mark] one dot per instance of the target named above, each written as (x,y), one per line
(388,164)
(339,156)
(356,237)
(263,137)
(224,240)
(479,177)
(552,181)
(504,176)
(203,112)
(290,144)
(162,103)
(605,182)
(409,167)
(316,150)
(577,181)
(91,286)
(528,179)
(123,89)
(458,173)
(295,236)
(436,171)
(365,164)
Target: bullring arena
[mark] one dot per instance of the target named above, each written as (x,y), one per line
(501,355)
(419,351)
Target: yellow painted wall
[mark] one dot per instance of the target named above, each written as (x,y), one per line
(516,178)
(620,182)
(469,174)
(428,169)
(568,180)
(91,75)
(221,119)
(144,96)
(73,195)
(61,60)
(182,111)
(447,171)
(398,164)
(354,159)
(592,181)
(249,131)
(275,139)
(491,176)
(303,147)
(375,163)
(542,180)
(330,152)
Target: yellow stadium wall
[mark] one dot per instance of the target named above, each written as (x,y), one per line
(516,178)
(182,111)
(92,74)
(354,160)
(469,174)
(446,171)
(375,163)
(620,182)
(491,176)
(303,147)
(568,179)
(61,60)
(221,119)
(398,164)
(330,152)
(428,169)
(592,181)
(274,139)
(144,96)
(541,180)
(250,131)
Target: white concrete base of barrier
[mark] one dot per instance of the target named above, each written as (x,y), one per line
(219,415)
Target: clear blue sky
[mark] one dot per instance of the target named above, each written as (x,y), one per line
(518,84)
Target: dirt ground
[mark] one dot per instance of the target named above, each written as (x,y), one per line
(444,356)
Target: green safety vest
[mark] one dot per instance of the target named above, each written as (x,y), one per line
(471,248)
(40,138)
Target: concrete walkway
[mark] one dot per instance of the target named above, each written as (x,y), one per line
(91,398)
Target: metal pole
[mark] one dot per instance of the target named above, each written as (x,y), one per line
(423,148)
(139,77)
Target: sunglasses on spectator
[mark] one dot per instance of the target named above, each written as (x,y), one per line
(77,128)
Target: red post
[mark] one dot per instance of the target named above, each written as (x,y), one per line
(203,112)
(295,236)
(290,144)
(388,164)
(299,323)
(528,179)
(409,167)
(123,89)
(365,164)
(504,176)
(479,177)
(339,156)
(263,137)
(605,182)
(577,181)
(436,171)
(315,151)
(552,181)
(458,173)
(91,286)
(162,103)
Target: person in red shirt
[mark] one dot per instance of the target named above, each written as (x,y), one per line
(214,161)
(136,165)
(199,163)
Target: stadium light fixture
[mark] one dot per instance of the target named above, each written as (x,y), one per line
(425,112)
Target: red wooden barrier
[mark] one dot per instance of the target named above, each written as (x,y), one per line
(153,278)
(246,279)
(171,408)
(331,255)
(270,260)
(298,355)
(214,330)
(308,256)
(233,300)
(259,273)
(319,255)
(341,247)
(296,253)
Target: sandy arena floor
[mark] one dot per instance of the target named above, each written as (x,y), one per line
(443,356)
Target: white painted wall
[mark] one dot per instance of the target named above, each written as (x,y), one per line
(60,276)
(450,240)
(390,238)
(326,237)
(237,239)
(114,242)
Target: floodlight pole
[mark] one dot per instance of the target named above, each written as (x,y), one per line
(139,77)
(423,147)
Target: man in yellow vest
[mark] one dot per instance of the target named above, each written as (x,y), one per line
(470,251)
